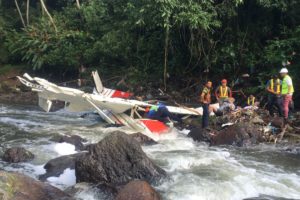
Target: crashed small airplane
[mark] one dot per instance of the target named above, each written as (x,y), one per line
(113,106)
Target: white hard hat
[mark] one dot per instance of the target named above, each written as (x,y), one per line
(245,75)
(284,71)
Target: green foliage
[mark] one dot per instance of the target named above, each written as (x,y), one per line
(40,45)
(127,38)
(283,49)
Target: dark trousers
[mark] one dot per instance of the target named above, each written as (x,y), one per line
(205,116)
(163,114)
(274,101)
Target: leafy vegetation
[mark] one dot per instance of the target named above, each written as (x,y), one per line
(173,44)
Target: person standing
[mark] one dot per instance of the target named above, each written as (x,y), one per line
(205,99)
(273,88)
(223,92)
(287,90)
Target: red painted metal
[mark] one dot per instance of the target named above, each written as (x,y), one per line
(155,126)
(120,94)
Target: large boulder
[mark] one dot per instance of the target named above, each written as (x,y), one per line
(56,166)
(14,186)
(138,190)
(239,134)
(143,139)
(76,140)
(115,160)
(17,154)
(200,135)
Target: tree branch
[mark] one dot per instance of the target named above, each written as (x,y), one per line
(20,14)
(78,4)
(27,12)
(47,12)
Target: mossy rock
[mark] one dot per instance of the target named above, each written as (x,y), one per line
(21,187)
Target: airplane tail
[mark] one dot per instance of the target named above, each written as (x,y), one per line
(106,91)
(98,82)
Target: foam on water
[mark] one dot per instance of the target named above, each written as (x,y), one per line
(200,172)
(25,168)
(66,179)
(62,148)
(21,123)
(88,192)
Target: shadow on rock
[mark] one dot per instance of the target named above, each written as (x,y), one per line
(200,135)
(56,166)
(239,134)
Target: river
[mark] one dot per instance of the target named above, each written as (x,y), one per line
(196,170)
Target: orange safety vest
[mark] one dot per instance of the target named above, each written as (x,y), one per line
(251,101)
(223,92)
(207,96)
(277,89)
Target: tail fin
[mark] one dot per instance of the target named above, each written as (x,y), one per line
(28,77)
(98,82)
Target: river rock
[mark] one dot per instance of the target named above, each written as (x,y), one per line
(76,140)
(239,134)
(200,135)
(115,160)
(56,166)
(137,190)
(17,154)
(143,139)
(15,186)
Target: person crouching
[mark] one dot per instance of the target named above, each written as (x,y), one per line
(226,108)
(161,113)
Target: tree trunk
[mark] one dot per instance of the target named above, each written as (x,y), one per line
(166,57)
(78,4)
(47,12)
(20,14)
(27,12)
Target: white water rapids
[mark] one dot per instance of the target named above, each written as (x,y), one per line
(196,170)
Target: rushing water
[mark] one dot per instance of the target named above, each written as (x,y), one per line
(196,170)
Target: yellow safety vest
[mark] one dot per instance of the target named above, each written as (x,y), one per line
(277,90)
(223,92)
(251,101)
(285,87)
